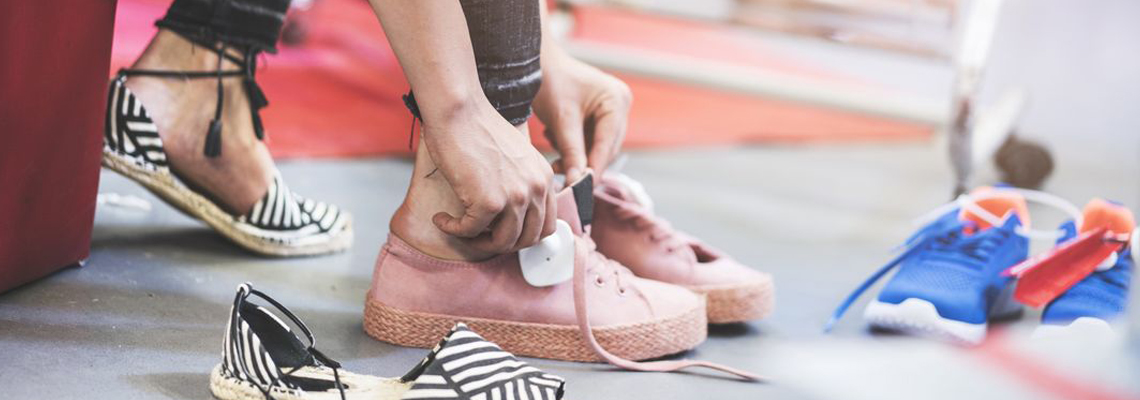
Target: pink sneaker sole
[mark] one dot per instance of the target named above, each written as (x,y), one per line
(639,341)
(739,303)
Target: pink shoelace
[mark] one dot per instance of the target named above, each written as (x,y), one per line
(585,253)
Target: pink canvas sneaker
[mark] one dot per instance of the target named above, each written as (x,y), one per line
(626,231)
(560,299)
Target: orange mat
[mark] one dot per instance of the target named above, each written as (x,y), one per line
(338,95)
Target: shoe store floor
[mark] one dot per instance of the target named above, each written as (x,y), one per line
(144,318)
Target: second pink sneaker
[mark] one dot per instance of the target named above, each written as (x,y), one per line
(626,231)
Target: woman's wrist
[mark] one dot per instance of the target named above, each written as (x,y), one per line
(552,53)
(449,107)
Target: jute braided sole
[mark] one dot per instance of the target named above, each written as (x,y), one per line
(196,206)
(739,303)
(638,341)
(357,386)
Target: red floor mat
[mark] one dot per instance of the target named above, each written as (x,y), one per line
(338,95)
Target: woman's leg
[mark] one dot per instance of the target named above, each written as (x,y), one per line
(513,308)
(183,108)
(477,60)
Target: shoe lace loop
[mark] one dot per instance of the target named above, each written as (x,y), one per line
(971,250)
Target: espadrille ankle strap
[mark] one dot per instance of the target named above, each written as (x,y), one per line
(585,248)
(243,293)
(247,65)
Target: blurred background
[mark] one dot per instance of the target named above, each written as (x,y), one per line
(743,72)
(801,136)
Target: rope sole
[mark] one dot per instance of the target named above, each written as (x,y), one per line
(636,341)
(165,186)
(739,303)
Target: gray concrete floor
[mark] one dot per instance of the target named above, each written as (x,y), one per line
(144,317)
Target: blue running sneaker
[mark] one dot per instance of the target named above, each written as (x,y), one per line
(949,281)
(1098,300)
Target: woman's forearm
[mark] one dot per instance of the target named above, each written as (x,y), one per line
(431,41)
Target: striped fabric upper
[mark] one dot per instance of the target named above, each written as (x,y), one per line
(283,215)
(129,131)
(466,366)
(243,354)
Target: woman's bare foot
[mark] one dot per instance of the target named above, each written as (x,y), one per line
(182,110)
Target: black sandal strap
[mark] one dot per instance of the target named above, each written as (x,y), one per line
(241,297)
(178,74)
(248,65)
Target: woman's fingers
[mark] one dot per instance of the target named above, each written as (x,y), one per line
(504,233)
(532,226)
(472,223)
(611,117)
(567,136)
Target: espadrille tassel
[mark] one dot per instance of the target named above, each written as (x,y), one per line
(214,135)
(214,139)
(258,128)
(257,101)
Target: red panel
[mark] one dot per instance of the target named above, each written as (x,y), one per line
(339,94)
(52,82)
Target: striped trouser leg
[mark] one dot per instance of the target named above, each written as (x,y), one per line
(255,23)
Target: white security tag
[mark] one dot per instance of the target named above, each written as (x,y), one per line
(551,260)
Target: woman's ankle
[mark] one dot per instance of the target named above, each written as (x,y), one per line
(418,230)
(428,194)
(168,50)
(182,110)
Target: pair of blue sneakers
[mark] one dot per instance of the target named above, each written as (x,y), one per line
(950,279)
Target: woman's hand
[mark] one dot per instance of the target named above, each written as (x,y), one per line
(585,112)
(503,183)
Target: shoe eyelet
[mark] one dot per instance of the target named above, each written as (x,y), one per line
(622,292)
(598,281)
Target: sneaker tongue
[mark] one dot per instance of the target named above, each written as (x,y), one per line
(576,204)
(997,202)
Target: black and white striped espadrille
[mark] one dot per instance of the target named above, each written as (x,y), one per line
(263,359)
(281,223)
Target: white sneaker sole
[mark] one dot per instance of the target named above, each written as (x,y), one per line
(1083,326)
(920,317)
